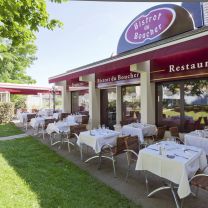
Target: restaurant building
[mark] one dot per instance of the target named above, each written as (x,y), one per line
(159,75)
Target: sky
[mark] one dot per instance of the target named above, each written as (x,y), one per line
(90,33)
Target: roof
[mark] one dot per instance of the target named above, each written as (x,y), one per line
(191,40)
(23,89)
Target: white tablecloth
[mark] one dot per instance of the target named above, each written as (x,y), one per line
(198,139)
(98,138)
(23,117)
(140,130)
(75,118)
(36,122)
(177,170)
(56,115)
(59,127)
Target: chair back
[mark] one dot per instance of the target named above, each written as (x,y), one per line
(30,116)
(47,121)
(64,115)
(76,129)
(120,145)
(85,119)
(132,143)
(174,131)
(160,133)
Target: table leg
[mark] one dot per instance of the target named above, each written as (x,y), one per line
(171,187)
(175,197)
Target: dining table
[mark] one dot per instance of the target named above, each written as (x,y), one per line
(139,129)
(96,139)
(197,138)
(174,163)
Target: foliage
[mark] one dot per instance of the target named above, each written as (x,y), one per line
(19,101)
(191,87)
(34,176)
(13,65)
(19,20)
(196,87)
(6,112)
(9,129)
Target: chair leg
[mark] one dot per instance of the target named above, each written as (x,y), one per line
(81,154)
(114,168)
(69,149)
(100,160)
(127,174)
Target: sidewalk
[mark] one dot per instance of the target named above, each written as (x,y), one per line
(13,137)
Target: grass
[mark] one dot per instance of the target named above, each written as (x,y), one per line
(9,130)
(32,175)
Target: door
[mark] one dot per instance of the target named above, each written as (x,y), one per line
(108,107)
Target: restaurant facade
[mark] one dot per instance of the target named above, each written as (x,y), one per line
(159,75)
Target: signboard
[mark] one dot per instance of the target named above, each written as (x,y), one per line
(76,85)
(192,64)
(117,77)
(205,11)
(159,22)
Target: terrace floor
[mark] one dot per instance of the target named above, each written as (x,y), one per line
(135,188)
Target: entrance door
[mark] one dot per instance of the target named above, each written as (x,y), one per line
(108,107)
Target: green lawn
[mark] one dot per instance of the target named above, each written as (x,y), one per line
(32,175)
(9,130)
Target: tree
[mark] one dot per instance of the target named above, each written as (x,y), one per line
(19,20)
(14,64)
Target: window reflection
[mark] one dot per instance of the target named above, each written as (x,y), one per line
(195,104)
(169,111)
(131,103)
(183,104)
(80,101)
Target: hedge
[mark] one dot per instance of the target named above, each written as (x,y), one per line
(6,112)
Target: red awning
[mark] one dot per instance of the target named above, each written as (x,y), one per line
(23,89)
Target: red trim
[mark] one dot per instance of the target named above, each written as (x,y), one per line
(196,44)
(23,91)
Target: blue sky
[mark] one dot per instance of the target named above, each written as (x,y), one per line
(90,33)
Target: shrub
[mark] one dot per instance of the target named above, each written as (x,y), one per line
(19,101)
(6,112)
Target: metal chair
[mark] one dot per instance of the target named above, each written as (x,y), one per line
(45,124)
(110,152)
(200,181)
(132,149)
(175,133)
(160,133)
(74,134)
(28,119)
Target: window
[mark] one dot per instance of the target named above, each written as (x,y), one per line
(80,101)
(183,104)
(131,102)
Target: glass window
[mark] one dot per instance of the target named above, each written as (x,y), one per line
(131,102)
(169,104)
(183,104)
(80,101)
(195,104)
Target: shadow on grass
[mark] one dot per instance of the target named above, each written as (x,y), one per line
(55,181)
